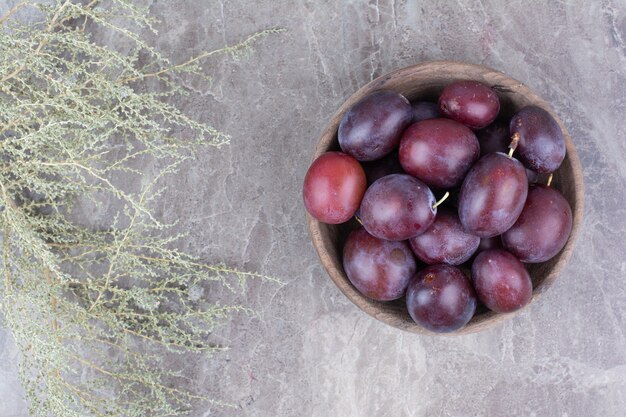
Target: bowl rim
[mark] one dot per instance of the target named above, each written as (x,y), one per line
(505,84)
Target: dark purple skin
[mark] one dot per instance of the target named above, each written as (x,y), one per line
(494,138)
(487,243)
(492,195)
(379,269)
(542,228)
(438,152)
(424,110)
(497,138)
(397,207)
(387,165)
(533,177)
(501,281)
(372,127)
(541,145)
(441,298)
(445,241)
(472,103)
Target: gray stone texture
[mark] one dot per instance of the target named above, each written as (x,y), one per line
(310,352)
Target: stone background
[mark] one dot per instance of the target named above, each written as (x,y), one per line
(311,352)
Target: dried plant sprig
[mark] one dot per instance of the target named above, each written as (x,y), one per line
(94,311)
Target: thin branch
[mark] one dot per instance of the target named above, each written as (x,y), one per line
(42,43)
(137,206)
(13,10)
(230,48)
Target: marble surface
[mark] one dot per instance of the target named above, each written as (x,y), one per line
(310,352)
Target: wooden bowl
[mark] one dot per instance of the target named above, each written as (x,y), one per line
(424,82)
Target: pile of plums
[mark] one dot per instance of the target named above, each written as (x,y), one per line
(496,209)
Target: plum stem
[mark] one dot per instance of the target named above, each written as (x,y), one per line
(513,145)
(442,199)
(358,219)
(549,180)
